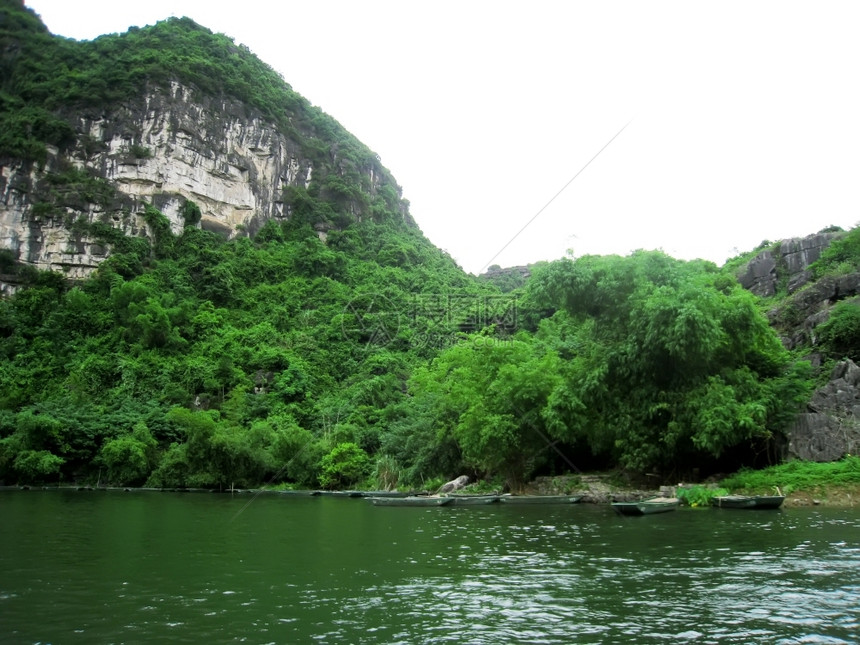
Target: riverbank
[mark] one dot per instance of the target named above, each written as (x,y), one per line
(832,484)
(835,496)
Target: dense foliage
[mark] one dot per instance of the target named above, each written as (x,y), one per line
(267,370)
(220,362)
(366,358)
(842,256)
(666,360)
(648,362)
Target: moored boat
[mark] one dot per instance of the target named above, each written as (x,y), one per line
(647,506)
(748,501)
(386,493)
(540,499)
(410,501)
(473,500)
(298,493)
(338,493)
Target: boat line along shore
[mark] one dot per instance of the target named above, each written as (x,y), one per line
(840,496)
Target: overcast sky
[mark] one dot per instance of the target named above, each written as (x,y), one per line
(743,116)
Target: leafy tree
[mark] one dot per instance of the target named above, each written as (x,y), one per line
(345,466)
(190,212)
(37,465)
(173,469)
(129,458)
(490,396)
(298,453)
(669,360)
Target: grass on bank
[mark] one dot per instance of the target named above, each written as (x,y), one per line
(795,476)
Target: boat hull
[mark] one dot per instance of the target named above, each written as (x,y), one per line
(409,501)
(646,507)
(540,499)
(762,502)
(473,500)
(386,493)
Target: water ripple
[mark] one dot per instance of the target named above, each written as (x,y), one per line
(332,571)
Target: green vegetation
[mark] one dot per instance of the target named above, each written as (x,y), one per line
(666,361)
(344,467)
(365,358)
(842,256)
(212,363)
(796,476)
(839,335)
(699,496)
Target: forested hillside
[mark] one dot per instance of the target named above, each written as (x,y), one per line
(358,356)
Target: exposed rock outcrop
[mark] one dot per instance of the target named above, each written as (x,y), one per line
(171,146)
(831,426)
(509,278)
(453,485)
(787,264)
(789,261)
(808,308)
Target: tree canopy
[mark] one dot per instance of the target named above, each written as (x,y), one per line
(667,359)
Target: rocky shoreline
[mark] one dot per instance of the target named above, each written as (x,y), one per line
(600,489)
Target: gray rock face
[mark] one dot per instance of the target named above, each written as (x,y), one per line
(798,253)
(169,147)
(453,485)
(810,302)
(791,260)
(760,276)
(831,426)
(810,307)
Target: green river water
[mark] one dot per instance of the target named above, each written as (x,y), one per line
(141,567)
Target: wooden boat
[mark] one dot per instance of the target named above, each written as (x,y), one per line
(540,499)
(748,501)
(410,501)
(647,506)
(473,500)
(385,493)
(338,493)
(298,493)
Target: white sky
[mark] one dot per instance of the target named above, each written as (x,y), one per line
(743,116)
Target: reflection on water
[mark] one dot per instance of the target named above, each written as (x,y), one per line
(135,567)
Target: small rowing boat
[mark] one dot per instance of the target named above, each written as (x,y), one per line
(473,500)
(748,501)
(540,499)
(647,506)
(415,500)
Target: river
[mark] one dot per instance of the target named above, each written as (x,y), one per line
(140,567)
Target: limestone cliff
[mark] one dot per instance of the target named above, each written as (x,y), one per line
(170,147)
